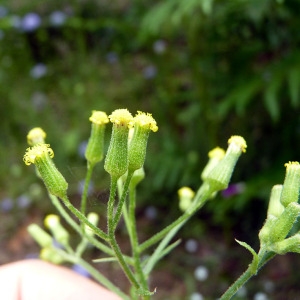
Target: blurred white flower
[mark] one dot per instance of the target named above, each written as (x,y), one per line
(57,18)
(191,246)
(159,46)
(260,296)
(201,273)
(150,72)
(196,296)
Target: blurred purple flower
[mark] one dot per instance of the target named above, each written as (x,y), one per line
(80,270)
(82,148)
(233,189)
(38,71)
(57,18)
(81,187)
(112,57)
(159,46)
(23,201)
(31,22)
(6,204)
(151,213)
(150,72)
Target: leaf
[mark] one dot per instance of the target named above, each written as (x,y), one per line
(294,86)
(271,98)
(254,263)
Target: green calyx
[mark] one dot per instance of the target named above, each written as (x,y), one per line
(116,161)
(291,185)
(41,155)
(220,175)
(95,146)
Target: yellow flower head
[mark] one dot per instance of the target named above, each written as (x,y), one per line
(216,153)
(35,136)
(98,117)
(121,117)
(51,220)
(145,120)
(37,151)
(238,141)
(292,164)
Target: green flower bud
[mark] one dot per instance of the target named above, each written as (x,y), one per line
(264,233)
(143,123)
(95,146)
(50,254)
(40,235)
(220,175)
(291,185)
(94,219)
(282,226)
(52,222)
(215,155)
(291,244)
(36,136)
(41,155)
(186,196)
(275,207)
(137,177)
(116,161)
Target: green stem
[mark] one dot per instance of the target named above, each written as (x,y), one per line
(134,239)
(94,273)
(122,200)
(122,262)
(264,257)
(84,220)
(110,204)
(201,197)
(87,181)
(111,234)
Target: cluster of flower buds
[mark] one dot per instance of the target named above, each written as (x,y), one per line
(282,214)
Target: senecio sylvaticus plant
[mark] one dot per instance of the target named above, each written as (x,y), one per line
(124,162)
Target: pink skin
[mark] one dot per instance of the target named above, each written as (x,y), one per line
(38,280)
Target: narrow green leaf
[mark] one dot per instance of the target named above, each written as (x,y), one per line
(294,86)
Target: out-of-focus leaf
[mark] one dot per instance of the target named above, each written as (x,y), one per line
(240,97)
(271,98)
(294,86)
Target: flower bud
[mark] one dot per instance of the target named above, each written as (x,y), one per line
(41,155)
(137,177)
(143,123)
(40,235)
(291,185)
(264,233)
(275,207)
(284,223)
(94,219)
(36,136)
(52,222)
(215,155)
(291,244)
(220,175)
(186,196)
(116,161)
(95,146)
(50,254)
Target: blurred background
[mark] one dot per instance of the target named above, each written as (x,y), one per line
(206,70)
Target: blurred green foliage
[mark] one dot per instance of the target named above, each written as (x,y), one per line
(205,69)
